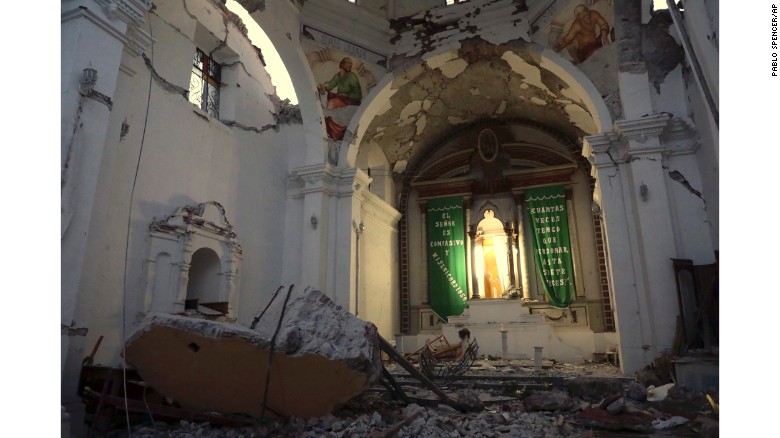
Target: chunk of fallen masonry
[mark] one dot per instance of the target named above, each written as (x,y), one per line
(323,356)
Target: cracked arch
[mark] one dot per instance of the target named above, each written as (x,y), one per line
(579,90)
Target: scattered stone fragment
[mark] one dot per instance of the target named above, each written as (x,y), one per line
(636,391)
(469,399)
(616,406)
(657,394)
(592,388)
(548,401)
(670,423)
(600,418)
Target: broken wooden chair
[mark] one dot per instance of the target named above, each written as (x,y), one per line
(446,371)
(439,343)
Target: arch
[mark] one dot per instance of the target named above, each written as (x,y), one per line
(277,19)
(204,276)
(377,100)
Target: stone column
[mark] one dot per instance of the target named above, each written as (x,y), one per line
(469,266)
(521,249)
(510,243)
(474,284)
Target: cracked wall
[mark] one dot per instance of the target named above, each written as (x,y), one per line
(183,156)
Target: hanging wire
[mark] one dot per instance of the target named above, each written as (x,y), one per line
(271,353)
(257,318)
(127,238)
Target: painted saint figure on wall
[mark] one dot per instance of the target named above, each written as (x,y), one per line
(343,91)
(589,31)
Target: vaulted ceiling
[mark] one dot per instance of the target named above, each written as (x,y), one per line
(476,82)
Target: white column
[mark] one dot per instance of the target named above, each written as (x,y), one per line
(631,318)
(334,196)
(521,242)
(628,165)
(474,250)
(653,220)
(469,271)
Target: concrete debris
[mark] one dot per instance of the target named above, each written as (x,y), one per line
(657,394)
(374,413)
(305,348)
(469,399)
(636,392)
(616,406)
(548,401)
(670,423)
(602,419)
(593,389)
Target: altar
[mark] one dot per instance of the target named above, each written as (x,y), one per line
(490,320)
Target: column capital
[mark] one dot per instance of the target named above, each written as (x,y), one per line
(652,134)
(323,177)
(121,19)
(642,136)
(126,10)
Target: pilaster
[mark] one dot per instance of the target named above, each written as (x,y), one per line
(94,35)
(628,164)
(334,195)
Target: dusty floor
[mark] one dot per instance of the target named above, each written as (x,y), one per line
(516,400)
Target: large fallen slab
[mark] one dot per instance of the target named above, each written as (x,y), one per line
(323,356)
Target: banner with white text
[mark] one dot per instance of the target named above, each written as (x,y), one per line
(447,287)
(552,247)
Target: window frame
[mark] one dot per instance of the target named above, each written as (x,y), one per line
(207,74)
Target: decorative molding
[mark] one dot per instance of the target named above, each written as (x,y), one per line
(186,220)
(179,235)
(680,138)
(333,181)
(98,20)
(126,10)
(643,128)
(645,135)
(138,40)
(380,211)
(129,12)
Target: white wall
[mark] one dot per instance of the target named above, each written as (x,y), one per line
(186,157)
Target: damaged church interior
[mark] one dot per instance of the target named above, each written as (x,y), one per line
(462,187)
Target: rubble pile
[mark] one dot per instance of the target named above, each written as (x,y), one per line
(414,421)
(600,405)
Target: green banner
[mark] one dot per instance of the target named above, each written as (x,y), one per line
(446,256)
(552,247)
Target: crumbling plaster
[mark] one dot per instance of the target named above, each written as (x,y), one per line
(433,92)
(182,157)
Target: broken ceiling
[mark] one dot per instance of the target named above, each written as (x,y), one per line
(478,81)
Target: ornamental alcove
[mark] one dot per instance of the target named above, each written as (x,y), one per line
(194,262)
